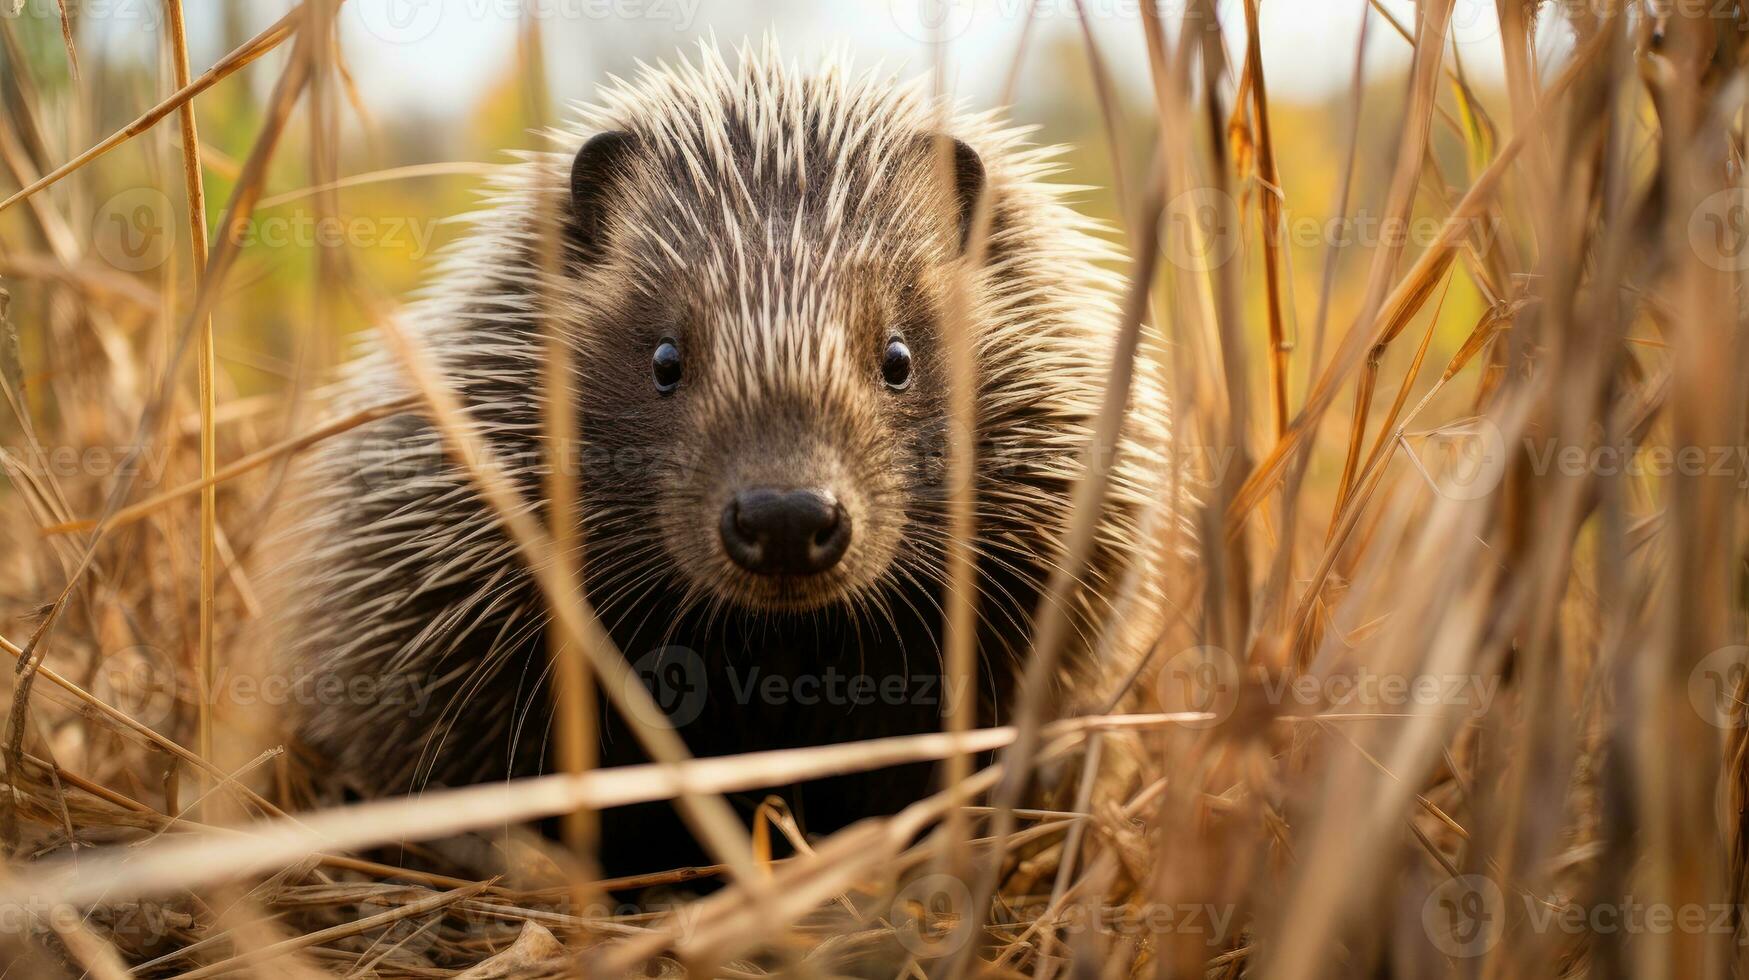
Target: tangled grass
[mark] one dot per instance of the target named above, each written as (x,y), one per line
(1455,687)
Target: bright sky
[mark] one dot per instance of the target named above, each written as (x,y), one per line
(436,54)
(436,51)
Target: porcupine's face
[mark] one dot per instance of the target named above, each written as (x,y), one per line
(767,376)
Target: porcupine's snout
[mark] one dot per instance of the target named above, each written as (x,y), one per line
(785,532)
(792,505)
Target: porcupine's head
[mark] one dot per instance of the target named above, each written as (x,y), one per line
(771,354)
(761,268)
(755,283)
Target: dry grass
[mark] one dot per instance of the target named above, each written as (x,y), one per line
(1470,708)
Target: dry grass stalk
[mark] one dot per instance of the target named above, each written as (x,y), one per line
(254,48)
(1590,604)
(206,358)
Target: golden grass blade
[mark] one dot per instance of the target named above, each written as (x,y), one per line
(1363,394)
(708,815)
(249,51)
(1346,520)
(1590,590)
(253,461)
(206,359)
(1270,210)
(67,39)
(1394,309)
(122,722)
(573,684)
(55,230)
(191,860)
(307,940)
(960,620)
(92,952)
(1051,627)
(1226,592)
(1281,570)
(1341,866)
(1105,94)
(391,174)
(286,91)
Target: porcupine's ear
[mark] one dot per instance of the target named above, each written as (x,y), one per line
(967,179)
(601,161)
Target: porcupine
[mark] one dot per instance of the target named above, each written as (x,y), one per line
(754,287)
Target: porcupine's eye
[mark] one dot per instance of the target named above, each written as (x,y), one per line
(665,366)
(896,365)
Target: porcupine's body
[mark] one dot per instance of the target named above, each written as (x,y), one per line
(744,248)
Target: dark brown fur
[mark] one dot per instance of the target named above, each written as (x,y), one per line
(712,221)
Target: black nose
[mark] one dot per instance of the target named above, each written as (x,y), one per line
(785,532)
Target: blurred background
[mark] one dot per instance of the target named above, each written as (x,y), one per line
(441,84)
(1602,598)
